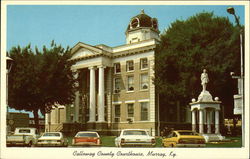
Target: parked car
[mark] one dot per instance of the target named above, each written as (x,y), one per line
(134,137)
(52,139)
(22,137)
(183,138)
(86,138)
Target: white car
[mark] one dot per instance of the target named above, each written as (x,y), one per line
(135,137)
(22,137)
(52,139)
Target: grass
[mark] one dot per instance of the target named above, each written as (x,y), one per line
(235,142)
(109,141)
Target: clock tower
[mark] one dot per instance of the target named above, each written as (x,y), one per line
(142,27)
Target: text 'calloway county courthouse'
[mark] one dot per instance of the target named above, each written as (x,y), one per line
(117,89)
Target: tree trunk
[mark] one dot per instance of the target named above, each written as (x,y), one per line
(36,119)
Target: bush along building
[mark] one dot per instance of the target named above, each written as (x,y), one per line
(116,84)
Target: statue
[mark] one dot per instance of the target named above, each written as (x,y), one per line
(204,80)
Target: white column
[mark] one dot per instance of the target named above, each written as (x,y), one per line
(193,120)
(46,122)
(101,94)
(201,121)
(109,95)
(208,122)
(217,122)
(92,104)
(205,116)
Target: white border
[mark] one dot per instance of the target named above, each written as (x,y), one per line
(25,153)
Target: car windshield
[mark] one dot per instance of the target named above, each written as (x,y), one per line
(51,134)
(134,132)
(24,131)
(86,135)
(188,133)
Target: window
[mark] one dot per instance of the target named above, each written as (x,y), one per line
(130,83)
(144,63)
(71,117)
(51,134)
(134,132)
(86,134)
(144,111)
(144,81)
(130,110)
(117,85)
(24,131)
(130,65)
(117,67)
(117,113)
(174,135)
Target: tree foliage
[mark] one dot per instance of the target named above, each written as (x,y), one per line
(188,46)
(38,80)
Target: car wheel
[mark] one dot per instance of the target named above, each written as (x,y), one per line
(30,144)
(172,145)
(119,145)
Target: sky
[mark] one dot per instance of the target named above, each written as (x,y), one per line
(92,24)
(67,25)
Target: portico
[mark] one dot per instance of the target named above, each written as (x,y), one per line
(92,93)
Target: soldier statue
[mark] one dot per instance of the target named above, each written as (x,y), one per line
(204,80)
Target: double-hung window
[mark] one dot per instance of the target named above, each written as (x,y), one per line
(144,81)
(144,63)
(117,113)
(130,109)
(130,65)
(144,111)
(117,67)
(130,82)
(117,85)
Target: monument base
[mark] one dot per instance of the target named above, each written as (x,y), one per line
(205,96)
(213,137)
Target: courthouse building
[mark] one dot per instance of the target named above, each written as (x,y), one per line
(116,84)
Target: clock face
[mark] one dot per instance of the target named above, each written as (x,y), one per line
(155,25)
(134,23)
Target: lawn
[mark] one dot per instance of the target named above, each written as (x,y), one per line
(235,142)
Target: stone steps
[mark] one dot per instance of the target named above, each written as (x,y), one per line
(213,137)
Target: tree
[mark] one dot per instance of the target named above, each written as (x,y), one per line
(40,80)
(188,46)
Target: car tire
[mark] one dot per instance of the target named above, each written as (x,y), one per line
(172,145)
(119,145)
(30,144)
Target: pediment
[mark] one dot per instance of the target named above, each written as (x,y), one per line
(81,50)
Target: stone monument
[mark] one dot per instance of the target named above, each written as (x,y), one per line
(206,110)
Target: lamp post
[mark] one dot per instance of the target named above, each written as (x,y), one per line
(240,78)
(9,62)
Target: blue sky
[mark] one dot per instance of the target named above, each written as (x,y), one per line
(92,24)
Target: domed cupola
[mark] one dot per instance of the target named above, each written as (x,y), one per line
(142,27)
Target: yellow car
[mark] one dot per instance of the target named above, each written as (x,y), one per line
(183,138)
